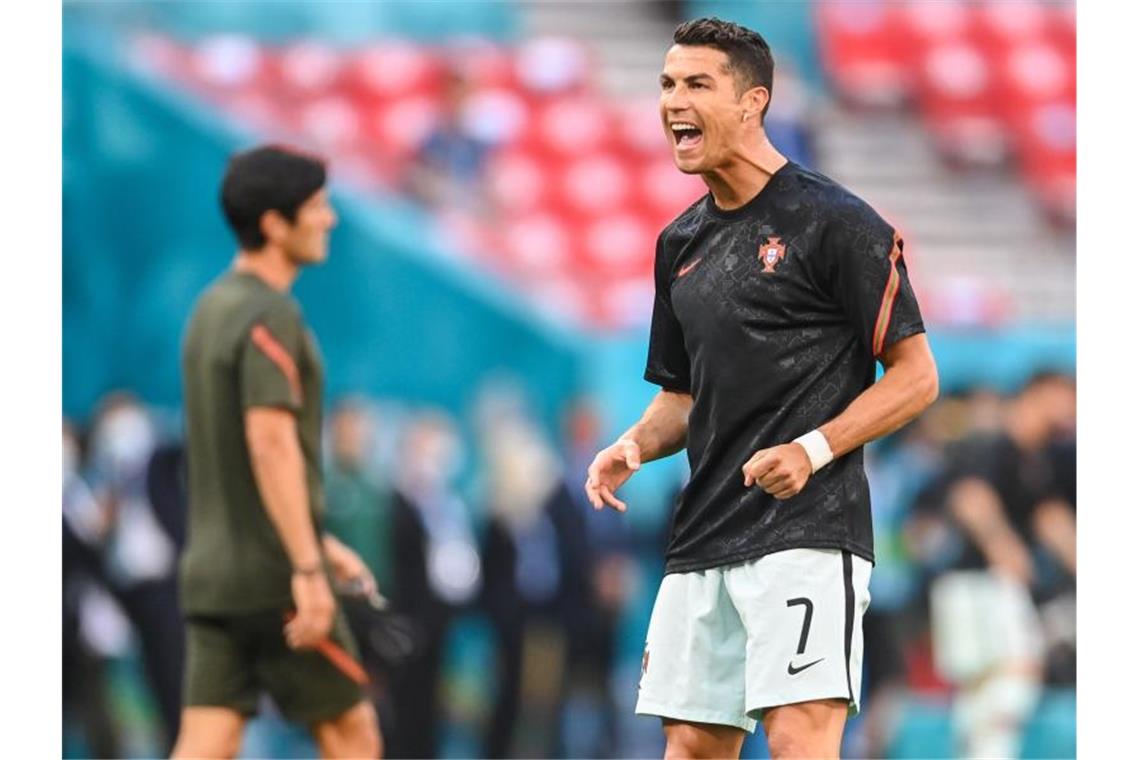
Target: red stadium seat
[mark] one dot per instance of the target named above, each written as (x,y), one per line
(960,101)
(537,242)
(1003,24)
(1047,146)
(392,71)
(620,245)
(1031,73)
(518,182)
(640,129)
(399,128)
(331,123)
(863,53)
(594,185)
(665,192)
(571,127)
(485,65)
(307,69)
(924,24)
(496,116)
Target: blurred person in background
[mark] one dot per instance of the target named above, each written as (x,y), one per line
(136,550)
(85,525)
(781,274)
(609,568)
(358,513)
(260,613)
(435,573)
(1012,542)
(358,510)
(535,583)
(448,167)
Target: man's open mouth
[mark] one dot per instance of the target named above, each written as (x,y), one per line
(686,134)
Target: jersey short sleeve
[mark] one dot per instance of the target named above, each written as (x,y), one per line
(869,277)
(668,362)
(271,351)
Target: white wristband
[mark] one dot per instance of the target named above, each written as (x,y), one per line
(817,448)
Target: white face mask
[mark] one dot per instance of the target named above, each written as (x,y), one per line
(123,441)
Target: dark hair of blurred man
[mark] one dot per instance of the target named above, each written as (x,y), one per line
(260,615)
(776,294)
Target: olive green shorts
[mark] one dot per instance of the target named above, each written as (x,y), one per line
(231,659)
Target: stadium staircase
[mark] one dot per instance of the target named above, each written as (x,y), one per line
(977,233)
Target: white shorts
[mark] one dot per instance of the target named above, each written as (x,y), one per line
(728,643)
(980,621)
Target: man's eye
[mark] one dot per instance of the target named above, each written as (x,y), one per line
(697,85)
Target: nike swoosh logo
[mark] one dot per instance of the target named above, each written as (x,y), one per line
(794,670)
(688,268)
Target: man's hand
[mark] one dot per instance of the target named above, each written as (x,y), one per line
(781,470)
(612,467)
(315,609)
(1009,557)
(347,566)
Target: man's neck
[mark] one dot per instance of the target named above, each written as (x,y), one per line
(270,264)
(735,183)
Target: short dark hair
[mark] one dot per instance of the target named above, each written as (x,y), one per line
(749,57)
(267,178)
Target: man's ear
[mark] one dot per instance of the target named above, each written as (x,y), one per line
(274,226)
(754,102)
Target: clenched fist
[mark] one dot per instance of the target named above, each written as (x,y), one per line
(782,471)
(611,467)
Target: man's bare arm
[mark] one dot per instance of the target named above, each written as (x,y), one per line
(908,386)
(663,427)
(661,431)
(279,469)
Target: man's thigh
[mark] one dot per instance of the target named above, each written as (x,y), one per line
(313,685)
(803,611)
(219,668)
(693,667)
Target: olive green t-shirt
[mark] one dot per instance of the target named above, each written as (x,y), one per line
(246,346)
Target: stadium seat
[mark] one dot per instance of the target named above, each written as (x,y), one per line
(392,71)
(594,184)
(960,102)
(517,182)
(666,192)
(620,245)
(307,68)
(863,53)
(537,243)
(547,66)
(571,126)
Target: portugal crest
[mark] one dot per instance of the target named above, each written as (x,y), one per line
(771,254)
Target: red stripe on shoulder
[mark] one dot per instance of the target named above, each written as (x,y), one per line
(887,305)
(276,353)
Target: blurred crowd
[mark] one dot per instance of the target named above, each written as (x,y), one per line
(483,518)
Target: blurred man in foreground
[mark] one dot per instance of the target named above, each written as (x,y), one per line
(776,294)
(260,615)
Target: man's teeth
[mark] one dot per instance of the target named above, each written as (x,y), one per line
(682,125)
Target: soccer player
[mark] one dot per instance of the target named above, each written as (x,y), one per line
(260,614)
(776,294)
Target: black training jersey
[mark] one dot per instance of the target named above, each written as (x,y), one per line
(772,315)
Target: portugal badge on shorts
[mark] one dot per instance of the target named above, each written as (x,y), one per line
(771,253)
